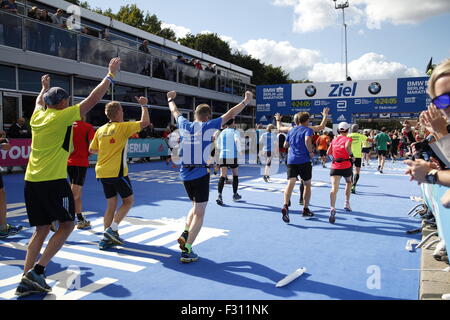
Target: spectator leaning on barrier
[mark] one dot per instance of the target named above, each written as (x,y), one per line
(34,13)
(45,17)
(58,18)
(9,5)
(144,47)
(19,130)
(436,120)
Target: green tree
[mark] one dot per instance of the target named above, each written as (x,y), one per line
(208,43)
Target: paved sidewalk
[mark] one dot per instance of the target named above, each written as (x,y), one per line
(433,284)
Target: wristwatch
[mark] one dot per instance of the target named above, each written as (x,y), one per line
(431,176)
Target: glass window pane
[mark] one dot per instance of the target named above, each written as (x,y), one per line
(160,118)
(157,98)
(225,85)
(97,116)
(7,77)
(131,112)
(30,80)
(188,75)
(199,101)
(184,102)
(208,80)
(84,87)
(96,51)
(46,39)
(28,105)
(164,69)
(127,94)
(10,30)
(219,106)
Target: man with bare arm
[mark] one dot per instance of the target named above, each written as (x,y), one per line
(47,193)
(196,140)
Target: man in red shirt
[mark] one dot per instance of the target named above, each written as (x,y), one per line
(77,165)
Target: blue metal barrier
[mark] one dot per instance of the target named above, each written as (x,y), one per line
(432,195)
(143,148)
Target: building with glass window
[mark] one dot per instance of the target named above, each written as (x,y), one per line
(76,57)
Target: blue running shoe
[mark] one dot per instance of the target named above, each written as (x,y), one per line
(36,280)
(105,244)
(10,231)
(113,236)
(187,257)
(24,289)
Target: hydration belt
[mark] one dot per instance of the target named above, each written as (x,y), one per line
(339,160)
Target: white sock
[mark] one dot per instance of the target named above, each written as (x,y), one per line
(115,226)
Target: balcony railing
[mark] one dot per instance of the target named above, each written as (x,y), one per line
(36,36)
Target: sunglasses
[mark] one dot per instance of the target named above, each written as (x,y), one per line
(442,101)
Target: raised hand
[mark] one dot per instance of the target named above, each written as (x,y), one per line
(277,117)
(114,65)
(248,96)
(45,81)
(325,111)
(171,95)
(434,121)
(142,100)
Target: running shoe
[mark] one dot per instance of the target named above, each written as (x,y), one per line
(113,236)
(265,179)
(54,226)
(183,239)
(24,289)
(347,206)
(32,278)
(332,218)
(353,189)
(219,200)
(307,213)
(83,224)
(10,231)
(285,212)
(379,168)
(236,197)
(187,257)
(301,202)
(105,244)
(381,171)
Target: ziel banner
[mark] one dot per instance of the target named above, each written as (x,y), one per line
(345,99)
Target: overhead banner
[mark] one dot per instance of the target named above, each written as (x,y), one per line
(346,98)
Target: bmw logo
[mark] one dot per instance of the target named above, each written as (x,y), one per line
(310,91)
(375,88)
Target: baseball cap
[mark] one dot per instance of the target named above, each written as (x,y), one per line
(343,126)
(55,95)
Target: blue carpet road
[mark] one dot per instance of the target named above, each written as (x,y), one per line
(245,248)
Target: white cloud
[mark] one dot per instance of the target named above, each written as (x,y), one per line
(315,15)
(369,66)
(180,31)
(294,60)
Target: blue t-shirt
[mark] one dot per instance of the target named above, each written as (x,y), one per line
(268,141)
(298,153)
(8,5)
(227,142)
(196,139)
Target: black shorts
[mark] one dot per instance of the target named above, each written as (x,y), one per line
(48,201)
(114,186)
(342,172)
(1,181)
(303,170)
(382,153)
(322,153)
(229,163)
(198,189)
(77,175)
(366,150)
(357,162)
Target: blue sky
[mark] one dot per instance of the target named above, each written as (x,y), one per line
(386,38)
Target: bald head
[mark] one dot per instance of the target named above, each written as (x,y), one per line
(21,121)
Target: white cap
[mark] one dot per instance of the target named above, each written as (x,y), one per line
(343,126)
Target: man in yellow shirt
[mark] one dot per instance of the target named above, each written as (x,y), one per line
(357,145)
(47,193)
(111,143)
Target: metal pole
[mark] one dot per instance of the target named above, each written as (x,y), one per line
(345,37)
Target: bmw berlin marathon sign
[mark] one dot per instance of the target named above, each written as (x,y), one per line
(347,100)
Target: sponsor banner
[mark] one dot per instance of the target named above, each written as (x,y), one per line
(143,148)
(18,155)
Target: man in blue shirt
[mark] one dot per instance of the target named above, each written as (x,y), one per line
(196,140)
(229,144)
(299,141)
